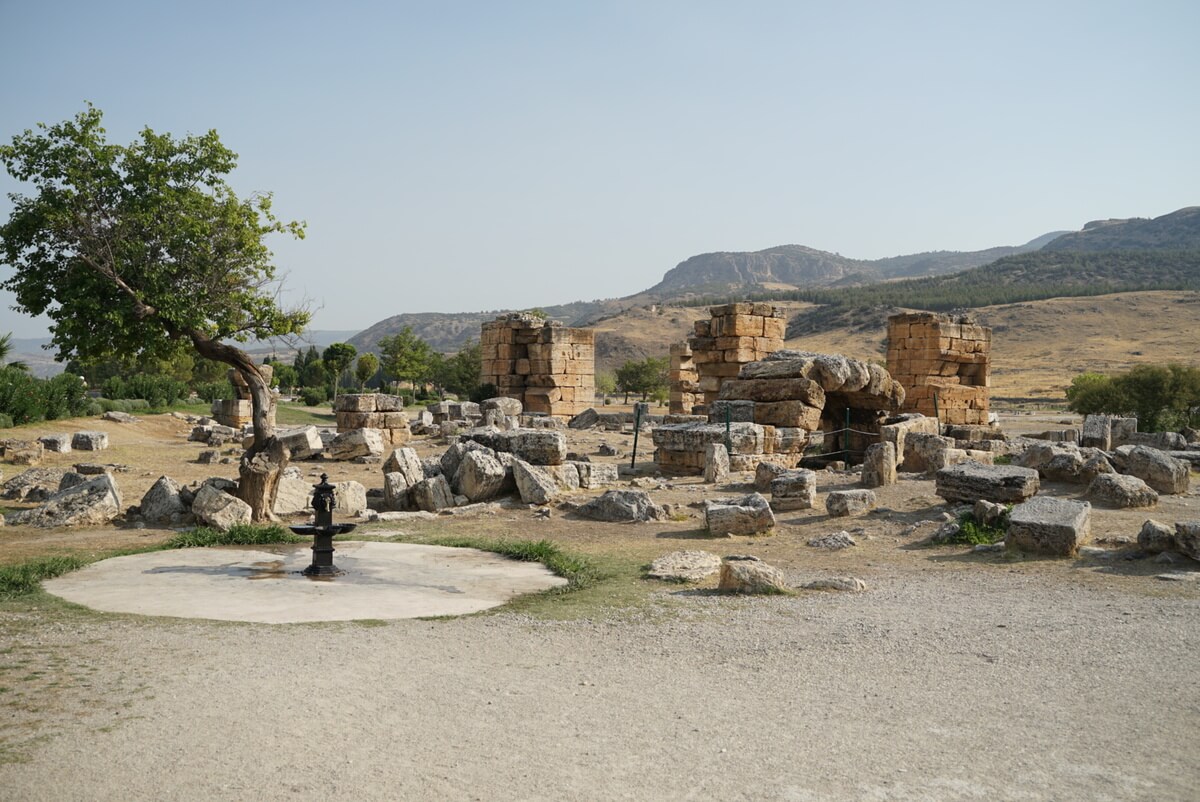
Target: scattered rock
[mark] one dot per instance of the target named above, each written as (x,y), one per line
(765,473)
(1046,525)
(57,443)
(969,482)
(356,443)
(596,474)
(303,443)
(433,494)
(218,509)
(685,566)
(1122,491)
(988,513)
(745,574)
(605,450)
(879,465)
(480,476)
(834,542)
(89,441)
(1187,538)
(209,457)
(93,503)
(793,490)
(843,503)
(534,485)
(748,515)
(162,502)
(293,497)
(118,417)
(847,583)
(619,506)
(716,463)
(35,484)
(1161,471)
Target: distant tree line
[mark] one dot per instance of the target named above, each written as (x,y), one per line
(1161,398)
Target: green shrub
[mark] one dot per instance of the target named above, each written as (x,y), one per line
(159,391)
(236,535)
(484,392)
(214,391)
(314,396)
(6,421)
(25,398)
(972,532)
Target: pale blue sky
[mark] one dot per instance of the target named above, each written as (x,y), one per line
(458,156)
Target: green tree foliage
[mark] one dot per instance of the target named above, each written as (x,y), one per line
(284,376)
(458,374)
(405,356)
(5,350)
(366,367)
(26,399)
(645,376)
(1162,398)
(606,383)
(338,358)
(160,391)
(142,249)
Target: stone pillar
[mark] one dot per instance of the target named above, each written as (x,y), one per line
(944,355)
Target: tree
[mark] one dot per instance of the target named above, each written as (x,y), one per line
(368,366)
(144,250)
(406,357)
(645,376)
(337,358)
(459,374)
(606,383)
(5,350)
(1161,398)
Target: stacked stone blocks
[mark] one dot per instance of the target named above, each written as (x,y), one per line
(384,413)
(943,355)
(550,368)
(734,335)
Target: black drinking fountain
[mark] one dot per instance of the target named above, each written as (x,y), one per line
(322,530)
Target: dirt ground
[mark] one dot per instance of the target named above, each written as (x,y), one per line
(954,676)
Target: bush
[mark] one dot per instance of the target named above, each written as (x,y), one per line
(484,392)
(25,398)
(214,391)
(159,391)
(1162,398)
(314,396)
(6,421)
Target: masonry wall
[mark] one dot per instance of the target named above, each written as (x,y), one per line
(550,368)
(684,380)
(734,335)
(947,356)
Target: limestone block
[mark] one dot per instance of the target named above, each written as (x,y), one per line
(405,462)
(765,473)
(623,506)
(793,490)
(1161,471)
(1156,537)
(433,494)
(969,482)
(356,443)
(89,441)
(293,497)
(879,465)
(35,484)
(788,414)
(479,476)
(58,443)
(355,402)
(565,476)
(716,463)
(782,389)
(1119,490)
(91,503)
(733,411)
(303,443)
(218,509)
(924,453)
(534,484)
(1046,525)
(745,574)
(685,566)
(388,403)
(162,502)
(747,515)
(1187,538)
(508,406)
(596,474)
(843,503)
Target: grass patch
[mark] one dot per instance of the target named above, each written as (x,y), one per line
(300,415)
(579,571)
(25,578)
(237,535)
(972,532)
(1002,459)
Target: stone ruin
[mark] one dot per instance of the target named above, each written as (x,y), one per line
(771,409)
(238,412)
(735,335)
(379,411)
(943,361)
(549,368)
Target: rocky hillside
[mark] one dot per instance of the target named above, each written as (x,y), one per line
(1177,231)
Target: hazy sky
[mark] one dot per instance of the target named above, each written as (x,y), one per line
(458,156)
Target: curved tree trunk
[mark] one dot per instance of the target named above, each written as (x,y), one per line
(263,463)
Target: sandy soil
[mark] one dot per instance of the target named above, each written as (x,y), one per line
(954,676)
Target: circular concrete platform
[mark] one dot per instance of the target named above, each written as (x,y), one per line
(264,584)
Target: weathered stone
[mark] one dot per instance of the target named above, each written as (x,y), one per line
(619,506)
(721,411)
(879,465)
(479,476)
(303,443)
(596,474)
(1097,432)
(794,490)
(1161,471)
(293,497)
(566,476)
(744,574)
(433,494)
(897,429)
(349,498)
(849,584)
(535,446)
(1046,525)
(92,503)
(988,513)
(355,402)
(833,542)
(389,403)
(218,509)
(70,479)
(969,482)
(925,453)
(1064,466)
(22,452)
(58,443)
(209,456)
(1156,537)
(843,503)
(533,484)
(685,566)
(117,416)
(510,407)
(584,420)
(1163,441)
(397,491)
(162,503)
(89,441)
(1119,490)
(356,443)
(35,484)
(1187,538)
(716,463)
(405,461)
(765,473)
(747,515)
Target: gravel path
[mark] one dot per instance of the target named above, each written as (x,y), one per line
(986,685)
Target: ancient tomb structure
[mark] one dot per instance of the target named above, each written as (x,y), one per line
(775,405)
(946,357)
(549,368)
(734,335)
(374,411)
(239,411)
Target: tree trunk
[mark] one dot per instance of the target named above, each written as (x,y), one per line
(263,463)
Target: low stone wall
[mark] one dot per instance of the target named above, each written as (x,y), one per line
(379,411)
